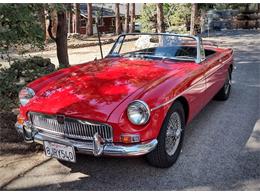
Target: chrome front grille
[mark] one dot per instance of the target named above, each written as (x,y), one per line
(69,127)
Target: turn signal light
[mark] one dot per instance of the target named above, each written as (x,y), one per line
(128,138)
(20,119)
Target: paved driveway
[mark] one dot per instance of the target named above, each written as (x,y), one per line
(221,149)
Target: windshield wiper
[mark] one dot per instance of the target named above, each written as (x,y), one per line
(134,55)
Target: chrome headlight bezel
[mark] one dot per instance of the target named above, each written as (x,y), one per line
(25,95)
(141,111)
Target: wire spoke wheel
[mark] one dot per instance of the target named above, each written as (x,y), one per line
(173,133)
(170,138)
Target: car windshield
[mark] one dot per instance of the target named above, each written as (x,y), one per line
(155,46)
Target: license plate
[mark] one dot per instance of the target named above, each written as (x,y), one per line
(59,151)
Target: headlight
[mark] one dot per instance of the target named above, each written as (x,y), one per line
(25,95)
(138,112)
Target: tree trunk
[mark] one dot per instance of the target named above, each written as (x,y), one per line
(132,19)
(51,24)
(247,7)
(70,18)
(89,29)
(61,39)
(194,11)
(160,18)
(126,17)
(202,20)
(118,21)
(61,32)
(77,18)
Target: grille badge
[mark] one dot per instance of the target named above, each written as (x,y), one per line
(60,119)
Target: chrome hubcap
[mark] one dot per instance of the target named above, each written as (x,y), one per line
(173,133)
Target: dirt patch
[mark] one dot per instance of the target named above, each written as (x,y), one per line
(16,156)
(10,141)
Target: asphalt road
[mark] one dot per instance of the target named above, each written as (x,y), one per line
(221,149)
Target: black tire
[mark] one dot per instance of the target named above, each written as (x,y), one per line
(224,92)
(159,156)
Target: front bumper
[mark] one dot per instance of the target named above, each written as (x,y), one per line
(95,147)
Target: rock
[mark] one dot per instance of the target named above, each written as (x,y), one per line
(15,111)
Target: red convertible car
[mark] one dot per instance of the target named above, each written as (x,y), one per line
(136,101)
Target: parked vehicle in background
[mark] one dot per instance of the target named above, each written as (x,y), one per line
(136,101)
(137,27)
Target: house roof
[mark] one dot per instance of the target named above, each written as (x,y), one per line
(107,9)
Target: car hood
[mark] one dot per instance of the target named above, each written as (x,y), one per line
(93,90)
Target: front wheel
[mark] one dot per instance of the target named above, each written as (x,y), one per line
(170,138)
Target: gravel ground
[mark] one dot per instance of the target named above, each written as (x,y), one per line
(79,50)
(16,156)
(221,148)
(10,142)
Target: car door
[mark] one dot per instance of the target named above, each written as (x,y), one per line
(196,94)
(215,75)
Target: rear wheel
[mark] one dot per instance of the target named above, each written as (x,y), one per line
(224,92)
(170,138)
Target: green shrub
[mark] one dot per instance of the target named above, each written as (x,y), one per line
(20,73)
(148,18)
(175,16)
(177,29)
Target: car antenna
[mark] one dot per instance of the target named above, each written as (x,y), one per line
(99,16)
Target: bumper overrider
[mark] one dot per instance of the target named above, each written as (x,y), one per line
(97,147)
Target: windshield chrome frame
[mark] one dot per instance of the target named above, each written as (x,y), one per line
(196,38)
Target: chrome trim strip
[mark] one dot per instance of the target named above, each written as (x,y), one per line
(172,100)
(19,128)
(222,64)
(109,149)
(48,131)
(175,97)
(87,147)
(132,150)
(164,104)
